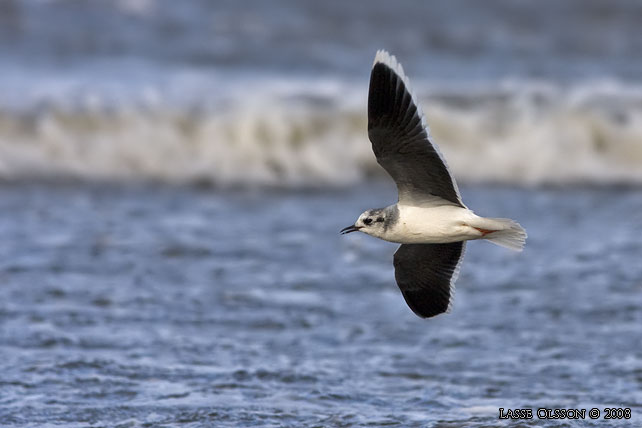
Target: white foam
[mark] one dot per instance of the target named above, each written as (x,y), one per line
(314,133)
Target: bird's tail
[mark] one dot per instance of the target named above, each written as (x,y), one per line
(506,233)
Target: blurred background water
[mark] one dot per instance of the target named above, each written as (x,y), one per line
(273,93)
(173,175)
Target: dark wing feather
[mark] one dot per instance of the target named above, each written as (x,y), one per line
(397,130)
(426,275)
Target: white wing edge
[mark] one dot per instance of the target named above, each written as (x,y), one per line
(454,278)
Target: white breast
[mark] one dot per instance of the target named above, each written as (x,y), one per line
(431,225)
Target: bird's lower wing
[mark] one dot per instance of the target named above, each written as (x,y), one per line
(426,275)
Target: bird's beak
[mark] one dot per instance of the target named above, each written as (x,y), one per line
(349,229)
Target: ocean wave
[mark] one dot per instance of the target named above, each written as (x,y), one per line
(314,134)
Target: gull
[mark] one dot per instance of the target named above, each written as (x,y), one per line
(430,221)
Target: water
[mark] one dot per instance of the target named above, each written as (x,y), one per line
(174,174)
(274,93)
(172,306)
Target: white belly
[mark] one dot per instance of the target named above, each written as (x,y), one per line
(432,225)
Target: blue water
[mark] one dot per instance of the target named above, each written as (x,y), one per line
(174,174)
(456,39)
(274,93)
(163,306)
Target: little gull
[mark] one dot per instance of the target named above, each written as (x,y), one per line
(430,221)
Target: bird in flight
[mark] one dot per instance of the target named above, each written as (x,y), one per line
(430,221)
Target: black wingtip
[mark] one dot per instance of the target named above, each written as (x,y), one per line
(427,306)
(390,103)
(380,93)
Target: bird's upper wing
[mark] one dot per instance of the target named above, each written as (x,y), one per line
(426,275)
(399,136)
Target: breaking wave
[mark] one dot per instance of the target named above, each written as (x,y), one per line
(314,134)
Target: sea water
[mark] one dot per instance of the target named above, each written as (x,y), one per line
(174,174)
(274,93)
(160,306)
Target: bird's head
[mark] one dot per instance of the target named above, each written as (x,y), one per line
(372,222)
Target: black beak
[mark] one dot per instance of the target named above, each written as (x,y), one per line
(349,229)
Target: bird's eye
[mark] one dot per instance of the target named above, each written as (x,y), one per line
(379,219)
(367,221)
